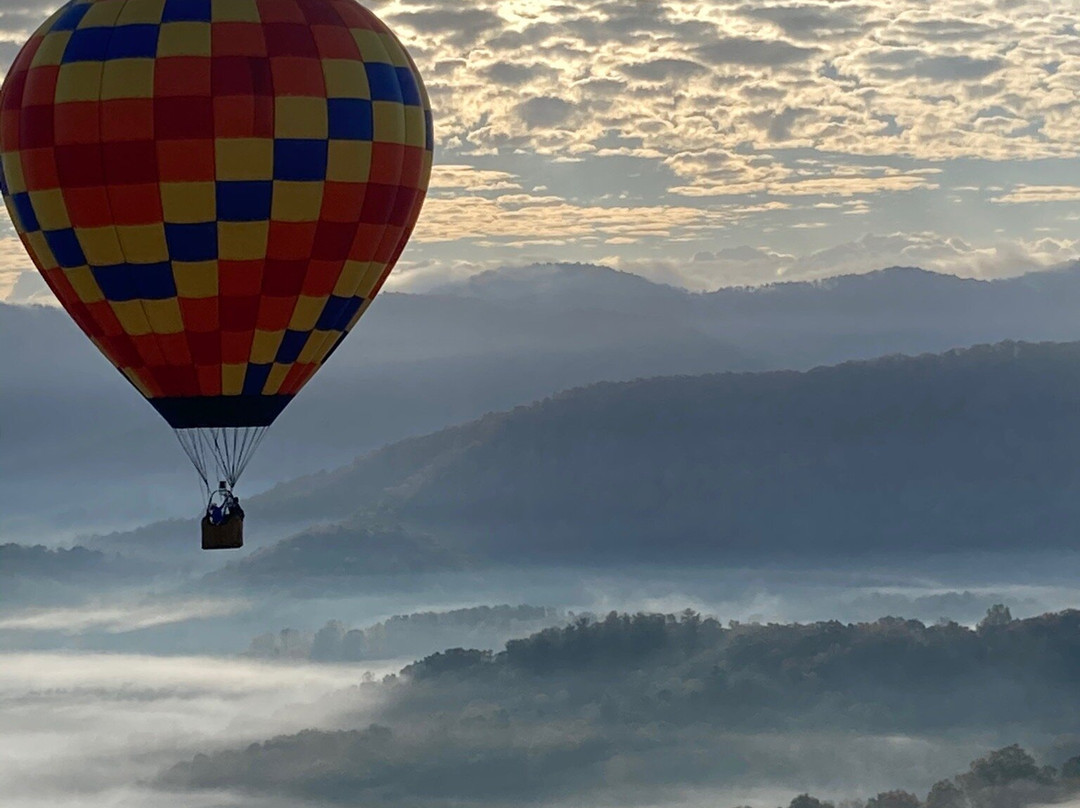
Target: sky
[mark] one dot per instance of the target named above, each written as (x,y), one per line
(710,143)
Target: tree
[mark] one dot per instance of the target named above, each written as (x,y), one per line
(292,644)
(354,646)
(1004,766)
(327,644)
(265,645)
(894,799)
(806,801)
(997,616)
(945,794)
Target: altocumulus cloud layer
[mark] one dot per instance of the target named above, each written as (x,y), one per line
(719,142)
(758,139)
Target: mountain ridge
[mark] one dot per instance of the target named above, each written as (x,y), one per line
(419,363)
(964,451)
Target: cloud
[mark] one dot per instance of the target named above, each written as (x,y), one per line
(943,26)
(14,263)
(845,184)
(472,179)
(746,265)
(740,50)
(457,26)
(809,21)
(664,70)
(906,63)
(729,101)
(511,74)
(934,252)
(29,288)
(1028,194)
(529,218)
(87,730)
(709,270)
(118,618)
(544,112)
(849,66)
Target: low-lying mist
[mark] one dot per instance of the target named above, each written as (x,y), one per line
(110,699)
(90,730)
(178,616)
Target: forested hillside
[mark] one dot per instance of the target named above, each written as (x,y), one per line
(638,702)
(420,362)
(973,449)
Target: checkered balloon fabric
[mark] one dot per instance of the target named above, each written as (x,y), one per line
(215,190)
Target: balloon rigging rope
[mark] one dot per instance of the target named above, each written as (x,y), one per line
(252,438)
(192,446)
(220,441)
(231,449)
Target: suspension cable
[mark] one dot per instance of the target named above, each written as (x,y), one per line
(192,446)
(220,451)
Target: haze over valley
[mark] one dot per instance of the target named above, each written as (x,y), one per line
(533,468)
(683,404)
(426,361)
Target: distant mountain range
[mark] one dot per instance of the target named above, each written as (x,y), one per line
(901,309)
(421,362)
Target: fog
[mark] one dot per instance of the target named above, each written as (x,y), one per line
(143,672)
(92,729)
(118,618)
(172,618)
(84,730)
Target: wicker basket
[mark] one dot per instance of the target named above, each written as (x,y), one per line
(227,536)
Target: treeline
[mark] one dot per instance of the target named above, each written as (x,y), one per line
(1006,778)
(648,701)
(38,561)
(403,635)
(381,763)
(33,575)
(890,673)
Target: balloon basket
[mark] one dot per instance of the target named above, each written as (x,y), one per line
(229,535)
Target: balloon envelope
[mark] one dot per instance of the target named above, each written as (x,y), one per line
(215,190)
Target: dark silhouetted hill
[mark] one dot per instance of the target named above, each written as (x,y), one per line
(421,362)
(970,450)
(362,547)
(41,562)
(42,575)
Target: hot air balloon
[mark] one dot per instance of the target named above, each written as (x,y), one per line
(215,191)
